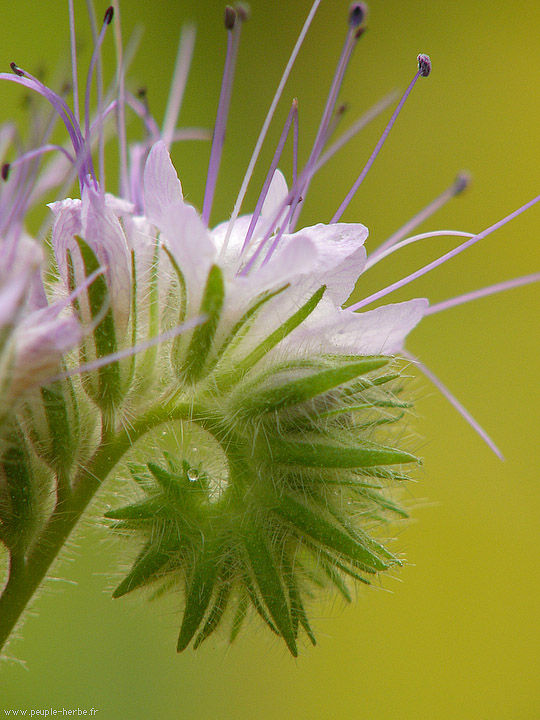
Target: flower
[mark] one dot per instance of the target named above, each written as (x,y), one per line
(286,404)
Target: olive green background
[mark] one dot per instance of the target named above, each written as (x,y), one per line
(457,634)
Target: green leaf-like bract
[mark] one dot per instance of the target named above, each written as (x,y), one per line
(300,488)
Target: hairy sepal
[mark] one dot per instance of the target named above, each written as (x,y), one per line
(107,392)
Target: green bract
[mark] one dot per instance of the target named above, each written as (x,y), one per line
(302,486)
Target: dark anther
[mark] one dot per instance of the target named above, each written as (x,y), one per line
(424,64)
(16,69)
(357,14)
(109,12)
(462,182)
(230,17)
(5,171)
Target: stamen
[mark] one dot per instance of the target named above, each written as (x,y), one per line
(267,121)
(293,112)
(483,292)
(95,60)
(32,154)
(447,256)
(356,15)
(295,149)
(455,402)
(364,120)
(109,12)
(373,260)
(233,39)
(186,46)
(275,223)
(338,115)
(141,109)
(461,182)
(424,68)
(121,100)
(23,77)
(360,124)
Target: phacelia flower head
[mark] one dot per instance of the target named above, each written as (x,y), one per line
(284,406)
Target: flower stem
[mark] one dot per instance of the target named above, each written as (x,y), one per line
(27,572)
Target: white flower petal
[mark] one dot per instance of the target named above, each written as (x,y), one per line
(380,331)
(341,256)
(100,228)
(162,187)
(277,192)
(185,233)
(39,344)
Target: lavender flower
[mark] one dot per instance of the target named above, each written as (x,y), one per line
(287,404)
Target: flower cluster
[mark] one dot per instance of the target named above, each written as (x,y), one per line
(285,404)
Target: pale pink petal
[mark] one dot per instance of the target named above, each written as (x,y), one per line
(103,232)
(11,298)
(180,225)
(281,270)
(341,256)
(39,345)
(380,331)
(275,198)
(162,187)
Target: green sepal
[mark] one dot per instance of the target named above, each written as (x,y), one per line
(181,283)
(267,577)
(380,500)
(317,454)
(203,335)
(252,593)
(19,501)
(62,424)
(318,528)
(361,537)
(216,614)
(144,510)
(110,391)
(245,322)
(166,479)
(335,577)
(271,340)
(199,591)
(145,569)
(178,341)
(305,388)
(146,367)
(298,612)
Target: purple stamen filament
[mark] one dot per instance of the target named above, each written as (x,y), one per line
(184,56)
(267,121)
(73,42)
(447,256)
(455,402)
(233,38)
(293,113)
(95,60)
(32,154)
(374,259)
(322,133)
(120,106)
(483,292)
(459,184)
(377,149)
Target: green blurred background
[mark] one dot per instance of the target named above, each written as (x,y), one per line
(458,634)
